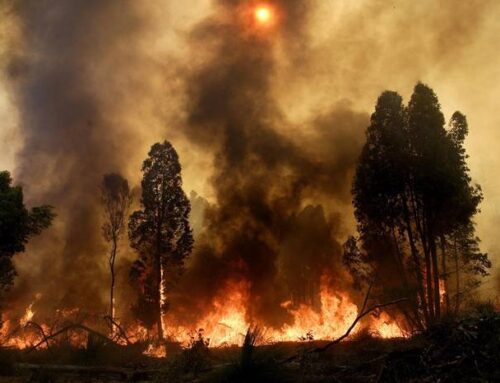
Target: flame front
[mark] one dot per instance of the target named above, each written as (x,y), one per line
(228,321)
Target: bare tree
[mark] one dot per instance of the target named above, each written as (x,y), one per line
(116,199)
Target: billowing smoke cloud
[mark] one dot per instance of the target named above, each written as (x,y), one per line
(64,75)
(265,227)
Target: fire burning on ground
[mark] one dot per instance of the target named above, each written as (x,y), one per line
(225,325)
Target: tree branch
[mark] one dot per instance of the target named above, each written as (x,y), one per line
(40,329)
(361,315)
(122,333)
(358,318)
(68,328)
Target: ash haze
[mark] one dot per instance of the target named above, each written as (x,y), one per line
(86,86)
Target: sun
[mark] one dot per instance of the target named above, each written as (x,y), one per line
(263,14)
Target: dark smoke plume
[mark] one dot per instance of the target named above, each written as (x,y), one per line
(265,227)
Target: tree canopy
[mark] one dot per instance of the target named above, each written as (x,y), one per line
(412,196)
(159,232)
(17,225)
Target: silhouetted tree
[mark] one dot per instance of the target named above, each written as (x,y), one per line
(467,264)
(17,226)
(116,199)
(160,232)
(412,190)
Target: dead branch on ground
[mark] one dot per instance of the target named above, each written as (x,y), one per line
(121,332)
(40,329)
(72,327)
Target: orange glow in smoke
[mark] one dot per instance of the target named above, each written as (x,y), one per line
(263,14)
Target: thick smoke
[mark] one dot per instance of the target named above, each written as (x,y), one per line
(265,227)
(71,135)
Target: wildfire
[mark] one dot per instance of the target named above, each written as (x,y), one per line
(386,327)
(28,315)
(12,333)
(225,325)
(227,322)
(156,351)
(442,291)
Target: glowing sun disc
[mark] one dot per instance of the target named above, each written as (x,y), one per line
(263,14)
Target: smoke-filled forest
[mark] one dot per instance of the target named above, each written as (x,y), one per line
(249,191)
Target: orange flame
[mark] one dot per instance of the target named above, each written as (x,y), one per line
(228,320)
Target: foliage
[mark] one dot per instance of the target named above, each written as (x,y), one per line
(17,226)
(160,232)
(412,196)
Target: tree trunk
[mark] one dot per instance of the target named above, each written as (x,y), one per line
(457,271)
(445,274)
(158,295)
(435,274)
(416,320)
(112,259)
(428,285)
(421,223)
(416,261)
(425,238)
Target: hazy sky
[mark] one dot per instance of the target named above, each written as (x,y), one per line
(344,54)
